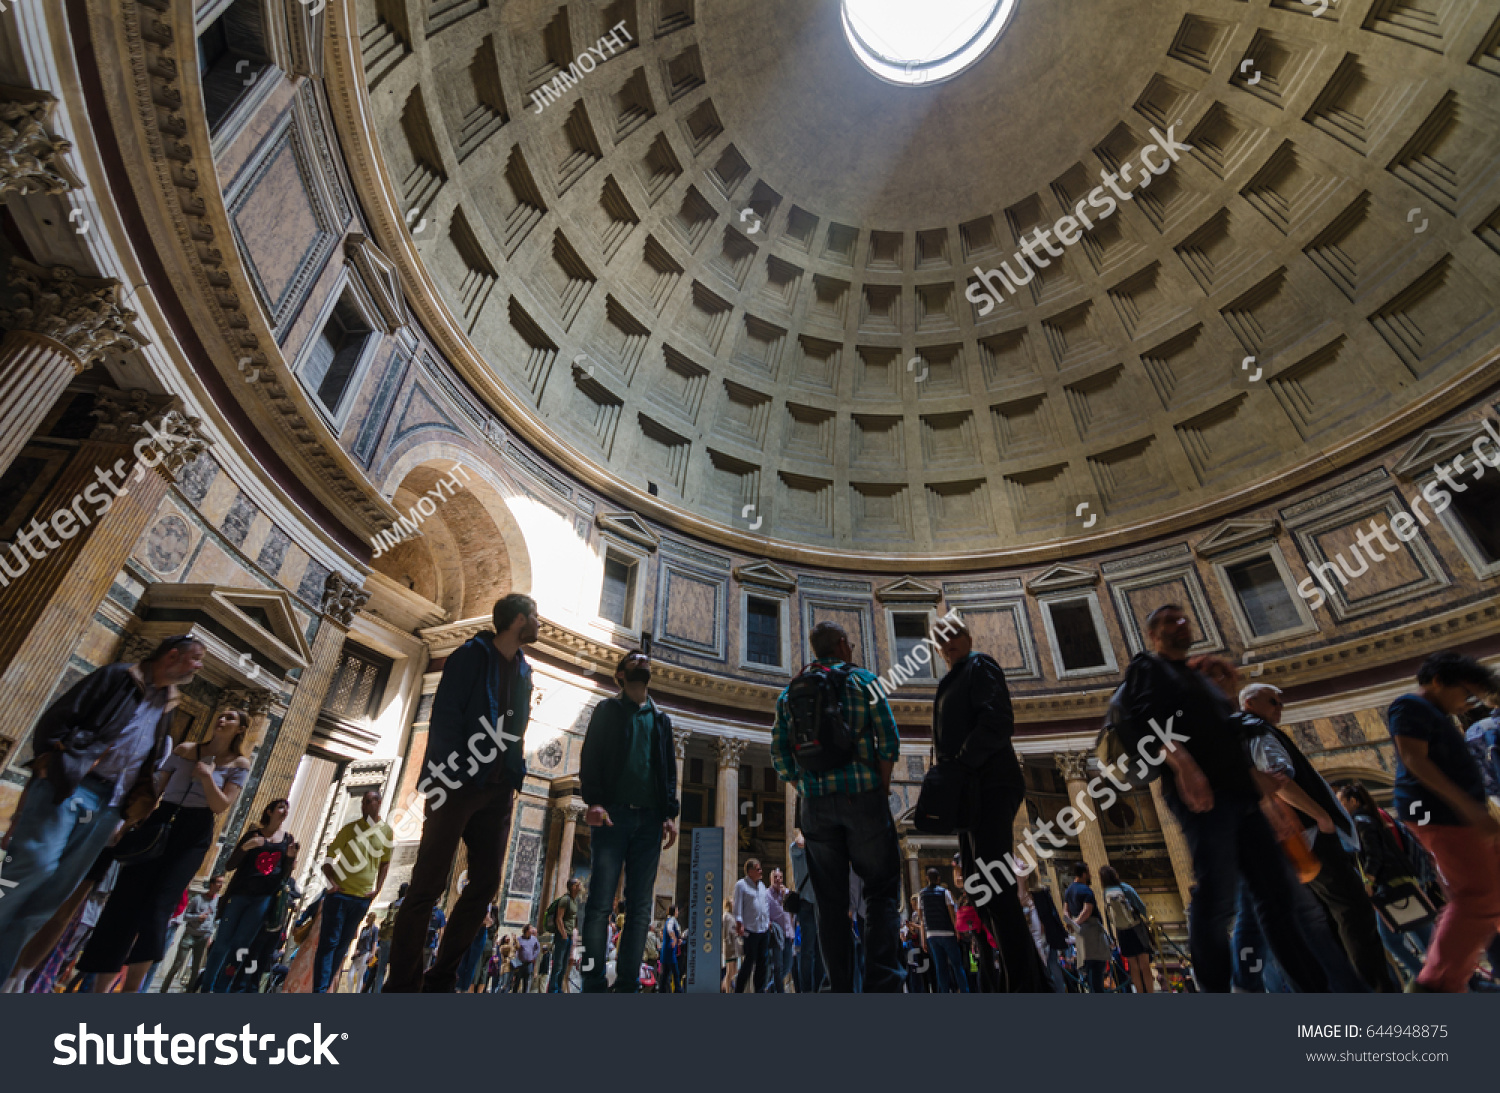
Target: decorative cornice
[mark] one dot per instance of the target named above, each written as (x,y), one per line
(1233,534)
(30,157)
(156,41)
(629,527)
(380,278)
(82,314)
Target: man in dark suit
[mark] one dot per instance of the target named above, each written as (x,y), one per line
(971,724)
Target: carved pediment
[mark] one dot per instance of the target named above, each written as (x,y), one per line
(909,590)
(629,527)
(381,280)
(1062,576)
(767,576)
(1438,445)
(1233,534)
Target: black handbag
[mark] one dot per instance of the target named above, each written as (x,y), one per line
(148,841)
(949,800)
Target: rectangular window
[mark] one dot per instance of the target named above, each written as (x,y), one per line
(910,632)
(358,684)
(763,632)
(1478,510)
(335,355)
(769,782)
(617,597)
(1263,596)
(695,772)
(232,54)
(1077,637)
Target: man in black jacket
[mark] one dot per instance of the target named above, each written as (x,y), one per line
(475,743)
(1208,785)
(627,776)
(971,724)
(94,757)
(1337,886)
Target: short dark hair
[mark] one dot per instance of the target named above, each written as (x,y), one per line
(934,874)
(826,638)
(1081,869)
(1356,790)
(167,645)
(508,607)
(628,657)
(1153,620)
(1450,669)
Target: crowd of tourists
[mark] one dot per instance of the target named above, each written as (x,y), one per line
(1297,885)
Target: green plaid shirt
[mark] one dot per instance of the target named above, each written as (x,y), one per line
(869,719)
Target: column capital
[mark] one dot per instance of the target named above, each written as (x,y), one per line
(82,314)
(126,417)
(1073,764)
(30,156)
(255,701)
(731,750)
(342,600)
(680,738)
(574,810)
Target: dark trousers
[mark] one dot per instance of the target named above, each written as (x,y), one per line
(132,928)
(562,956)
(809,978)
(480,816)
(845,831)
(1232,842)
(632,844)
(1093,975)
(754,960)
(337,929)
(1340,890)
(1020,970)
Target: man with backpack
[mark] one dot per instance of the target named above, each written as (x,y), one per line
(1208,785)
(562,916)
(627,776)
(836,740)
(971,727)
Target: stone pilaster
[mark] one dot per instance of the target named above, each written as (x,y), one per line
(1177,847)
(731,750)
(665,891)
(58,326)
(85,527)
(572,812)
(30,156)
(1075,770)
(341,602)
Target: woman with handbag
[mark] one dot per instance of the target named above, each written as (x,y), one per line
(159,859)
(1390,876)
(263,859)
(1128,918)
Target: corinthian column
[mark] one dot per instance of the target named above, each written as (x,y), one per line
(60,324)
(730,752)
(666,869)
(30,156)
(85,526)
(1075,770)
(572,811)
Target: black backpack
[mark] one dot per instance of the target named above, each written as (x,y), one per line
(820,737)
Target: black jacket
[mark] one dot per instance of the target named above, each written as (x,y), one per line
(457,739)
(1303,772)
(1052,924)
(603,756)
(81,725)
(972,721)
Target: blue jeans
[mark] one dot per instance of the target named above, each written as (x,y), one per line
(809,960)
(240,921)
(1231,844)
(778,960)
(632,844)
(382,954)
(52,847)
(562,955)
(342,916)
(948,963)
(844,831)
(1250,948)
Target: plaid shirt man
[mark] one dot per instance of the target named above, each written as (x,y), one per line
(874,729)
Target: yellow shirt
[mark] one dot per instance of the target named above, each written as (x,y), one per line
(357,853)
